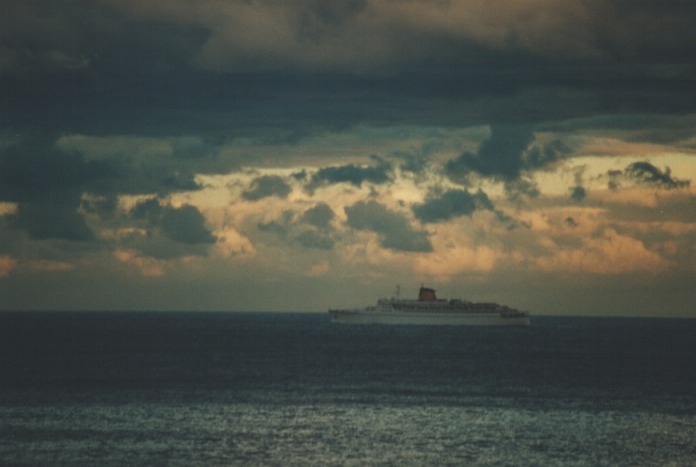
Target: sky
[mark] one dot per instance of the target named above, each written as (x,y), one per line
(266,155)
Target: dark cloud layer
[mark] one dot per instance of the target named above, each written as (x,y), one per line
(163,68)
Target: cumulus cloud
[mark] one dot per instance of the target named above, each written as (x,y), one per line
(266,186)
(232,243)
(644,173)
(499,156)
(44,221)
(394,229)
(314,239)
(144,165)
(47,185)
(319,216)
(34,170)
(354,174)
(168,232)
(311,230)
(451,203)
(183,224)
(578,193)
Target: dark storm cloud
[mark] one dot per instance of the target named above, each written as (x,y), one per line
(265,186)
(452,203)
(394,229)
(368,34)
(161,68)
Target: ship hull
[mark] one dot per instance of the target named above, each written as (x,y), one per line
(425,318)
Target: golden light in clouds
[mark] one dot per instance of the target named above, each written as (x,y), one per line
(7,264)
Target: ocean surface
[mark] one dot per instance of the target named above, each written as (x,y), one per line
(153,388)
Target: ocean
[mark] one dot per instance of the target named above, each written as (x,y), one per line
(156,388)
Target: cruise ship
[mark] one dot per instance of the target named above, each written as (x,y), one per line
(430,310)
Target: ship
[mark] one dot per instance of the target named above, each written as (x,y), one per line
(430,310)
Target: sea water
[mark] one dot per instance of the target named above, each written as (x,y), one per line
(132,388)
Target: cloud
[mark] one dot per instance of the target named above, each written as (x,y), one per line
(292,66)
(311,230)
(319,216)
(7,264)
(607,253)
(147,265)
(266,186)
(454,260)
(44,221)
(144,165)
(359,34)
(646,173)
(578,193)
(183,224)
(35,171)
(393,228)
(451,203)
(500,156)
(168,232)
(313,239)
(231,243)
(351,173)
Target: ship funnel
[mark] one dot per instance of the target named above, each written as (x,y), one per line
(426,295)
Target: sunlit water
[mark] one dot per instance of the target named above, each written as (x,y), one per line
(293,389)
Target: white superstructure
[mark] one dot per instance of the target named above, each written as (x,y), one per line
(428,309)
